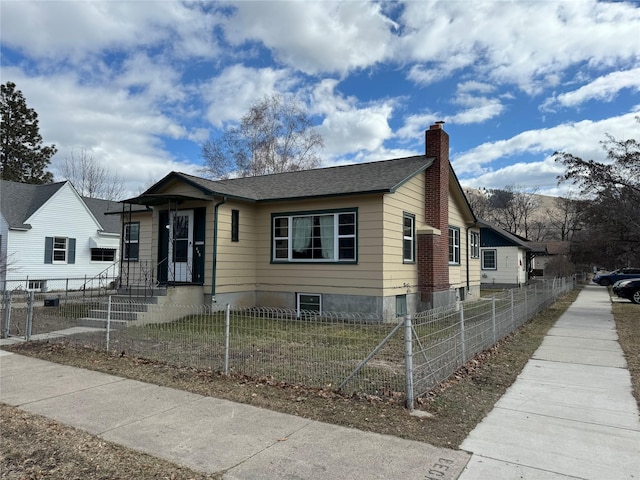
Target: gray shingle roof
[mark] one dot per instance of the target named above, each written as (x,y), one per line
(100,208)
(18,201)
(373,177)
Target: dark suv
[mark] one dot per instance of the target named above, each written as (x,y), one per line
(606,279)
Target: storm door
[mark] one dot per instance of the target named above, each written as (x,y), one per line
(180,258)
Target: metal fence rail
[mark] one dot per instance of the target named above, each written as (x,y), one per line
(349,352)
(445,339)
(86,286)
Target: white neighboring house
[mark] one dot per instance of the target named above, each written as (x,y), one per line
(505,258)
(53,239)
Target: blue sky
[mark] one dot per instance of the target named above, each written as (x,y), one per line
(140,85)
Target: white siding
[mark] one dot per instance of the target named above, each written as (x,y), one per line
(63,215)
(4,260)
(511,267)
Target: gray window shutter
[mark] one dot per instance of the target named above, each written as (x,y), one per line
(72,251)
(48,250)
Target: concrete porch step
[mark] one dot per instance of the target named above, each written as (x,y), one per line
(100,323)
(141,292)
(129,305)
(115,314)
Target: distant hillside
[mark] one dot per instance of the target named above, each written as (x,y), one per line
(547,209)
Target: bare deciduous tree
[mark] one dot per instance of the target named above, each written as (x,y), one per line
(565,218)
(275,136)
(90,178)
(514,210)
(611,235)
(479,203)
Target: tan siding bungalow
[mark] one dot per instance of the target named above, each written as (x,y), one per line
(386,237)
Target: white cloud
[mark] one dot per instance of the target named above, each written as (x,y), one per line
(475,86)
(540,176)
(120,130)
(75,30)
(530,44)
(347,126)
(230,94)
(603,88)
(315,37)
(580,138)
(480,109)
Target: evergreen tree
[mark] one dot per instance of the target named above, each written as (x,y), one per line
(24,158)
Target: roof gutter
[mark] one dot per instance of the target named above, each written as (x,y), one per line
(215,248)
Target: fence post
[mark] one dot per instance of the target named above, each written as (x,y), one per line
(7,313)
(227,322)
(513,313)
(464,347)
(30,302)
(493,317)
(108,321)
(408,362)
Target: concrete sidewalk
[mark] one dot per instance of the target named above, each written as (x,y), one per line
(212,435)
(571,413)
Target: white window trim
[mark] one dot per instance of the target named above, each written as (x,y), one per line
(456,246)
(495,258)
(55,249)
(411,238)
(299,294)
(37,285)
(475,246)
(336,238)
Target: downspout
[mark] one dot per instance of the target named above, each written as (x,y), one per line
(215,248)
(467,262)
(475,224)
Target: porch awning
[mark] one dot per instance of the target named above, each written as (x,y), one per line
(150,199)
(104,242)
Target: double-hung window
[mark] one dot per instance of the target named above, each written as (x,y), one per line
(315,237)
(489,260)
(454,246)
(474,245)
(59,250)
(132,241)
(408,238)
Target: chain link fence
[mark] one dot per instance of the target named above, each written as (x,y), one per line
(352,353)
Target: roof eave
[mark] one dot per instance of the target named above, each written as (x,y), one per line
(329,195)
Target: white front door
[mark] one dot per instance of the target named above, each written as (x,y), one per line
(180,246)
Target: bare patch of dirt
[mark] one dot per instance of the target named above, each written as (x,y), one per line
(456,405)
(33,447)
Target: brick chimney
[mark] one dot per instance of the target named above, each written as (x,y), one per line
(433,246)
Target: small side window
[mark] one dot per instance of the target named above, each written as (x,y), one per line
(489,260)
(408,238)
(309,302)
(235,225)
(401,305)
